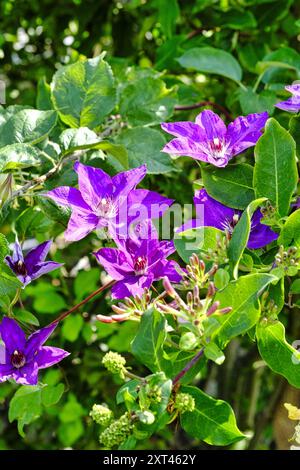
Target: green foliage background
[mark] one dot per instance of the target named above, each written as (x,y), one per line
(160,40)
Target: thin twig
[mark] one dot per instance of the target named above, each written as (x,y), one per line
(201,104)
(188,366)
(84,301)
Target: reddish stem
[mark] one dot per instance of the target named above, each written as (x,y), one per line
(84,301)
(188,366)
(201,104)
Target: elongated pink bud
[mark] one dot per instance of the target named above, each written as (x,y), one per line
(214,307)
(104,319)
(225,310)
(169,288)
(118,310)
(120,318)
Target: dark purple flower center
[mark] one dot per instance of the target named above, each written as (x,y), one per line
(229,224)
(140,265)
(18,359)
(107,207)
(20,268)
(217,148)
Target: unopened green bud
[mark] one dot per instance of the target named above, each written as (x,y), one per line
(154,394)
(146,417)
(117,432)
(184,402)
(101,415)
(188,341)
(114,363)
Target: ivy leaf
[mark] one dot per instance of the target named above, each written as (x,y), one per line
(242,296)
(275,177)
(84,93)
(211,60)
(240,236)
(212,421)
(280,356)
(232,185)
(147,346)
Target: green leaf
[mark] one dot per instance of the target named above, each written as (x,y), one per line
(212,421)
(147,346)
(275,177)
(144,146)
(4,248)
(200,241)
(43,100)
(168,12)
(51,394)
(232,186)
(240,236)
(147,102)
(211,60)
(71,327)
(252,102)
(8,284)
(290,233)
(27,126)
(280,356)
(24,316)
(25,406)
(31,221)
(84,93)
(19,156)
(242,295)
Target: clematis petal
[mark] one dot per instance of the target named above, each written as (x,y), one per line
(27,375)
(94,184)
(6,371)
(70,197)
(115,262)
(134,285)
(245,131)
(48,356)
(37,254)
(184,129)
(292,105)
(144,204)
(12,335)
(44,268)
(212,124)
(294,89)
(80,225)
(171,269)
(215,214)
(186,147)
(260,235)
(37,339)
(126,181)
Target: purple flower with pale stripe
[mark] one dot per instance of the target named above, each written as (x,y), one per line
(292,105)
(138,261)
(105,201)
(21,358)
(215,214)
(33,265)
(209,140)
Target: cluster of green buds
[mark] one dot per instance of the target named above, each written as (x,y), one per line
(6,186)
(115,363)
(270,214)
(269,309)
(131,308)
(117,432)
(101,414)
(193,309)
(184,402)
(288,260)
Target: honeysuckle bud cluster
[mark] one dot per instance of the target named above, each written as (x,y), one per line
(131,308)
(288,260)
(195,274)
(101,414)
(117,432)
(184,402)
(270,214)
(269,309)
(114,363)
(219,254)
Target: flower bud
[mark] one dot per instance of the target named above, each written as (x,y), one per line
(101,415)
(213,308)
(117,432)
(114,363)
(184,402)
(168,287)
(188,341)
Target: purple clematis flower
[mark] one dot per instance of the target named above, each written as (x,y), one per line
(292,105)
(33,265)
(138,261)
(21,358)
(210,141)
(225,218)
(105,201)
